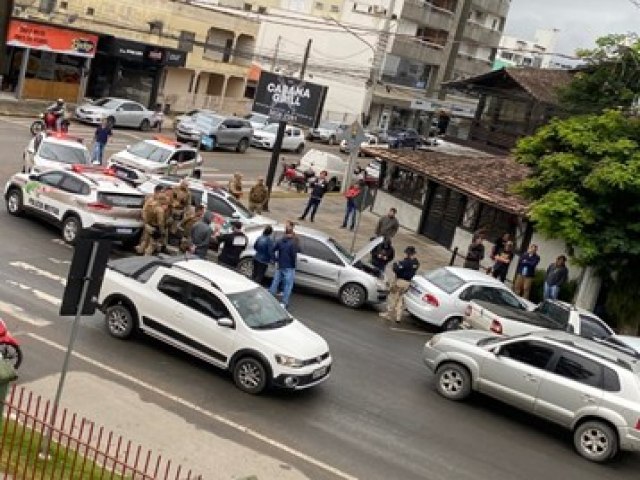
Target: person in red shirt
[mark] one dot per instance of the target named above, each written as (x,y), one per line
(353,195)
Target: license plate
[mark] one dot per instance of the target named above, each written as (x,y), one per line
(122,174)
(124,230)
(321,372)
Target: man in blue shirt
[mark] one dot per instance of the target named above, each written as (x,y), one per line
(100,139)
(264,248)
(526,271)
(318,189)
(285,254)
(404,270)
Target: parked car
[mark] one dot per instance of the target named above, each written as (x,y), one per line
(216,131)
(217,200)
(329,132)
(628,340)
(83,197)
(214,314)
(590,388)
(372,141)
(404,138)
(334,165)
(119,111)
(190,114)
(326,266)
(46,151)
(266,138)
(439,297)
(258,120)
(153,157)
(510,320)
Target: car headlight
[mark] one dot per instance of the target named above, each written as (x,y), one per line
(287,361)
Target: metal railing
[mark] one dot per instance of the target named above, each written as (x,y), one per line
(71,447)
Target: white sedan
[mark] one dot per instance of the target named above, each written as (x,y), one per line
(371,141)
(59,150)
(119,112)
(293,138)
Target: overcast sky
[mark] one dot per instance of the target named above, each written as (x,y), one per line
(580,21)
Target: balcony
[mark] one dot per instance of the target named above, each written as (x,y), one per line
(425,13)
(417,50)
(472,66)
(480,34)
(496,7)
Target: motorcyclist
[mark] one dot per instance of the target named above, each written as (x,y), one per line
(59,110)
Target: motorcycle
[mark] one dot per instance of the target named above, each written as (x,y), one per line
(9,346)
(48,121)
(298,179)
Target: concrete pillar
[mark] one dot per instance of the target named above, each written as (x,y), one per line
(588,289)
(223,93)
(23,72)
(84,80)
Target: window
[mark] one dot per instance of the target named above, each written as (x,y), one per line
(247,7)
(406,185)
(554,312)
(532,353)
(493,295)
(206,303)
(73,185)
(52,178)
(611,382)
(507,55)
(184,156)
(318,250)
(335,8)
(262,10)
(63,5)
(444,280)
(592,328)
(578,368)
(90,11)
(196,197)
(319,6)
(131,107)
(219,206)
(63,153)
(186,41)
(173,288)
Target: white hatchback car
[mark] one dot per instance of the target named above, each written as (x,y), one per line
(216,315)
(49,151)
(266,137)
(440,297)
(79,198)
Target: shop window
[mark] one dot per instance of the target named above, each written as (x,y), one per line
(470,216)
(335,8)
(91,11)
(186,41)
(262,10)
(495,222)
(406,185)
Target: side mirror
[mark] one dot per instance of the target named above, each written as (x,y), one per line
(235,215)
(226,322)
(34,176)
(496,350)
(222,126)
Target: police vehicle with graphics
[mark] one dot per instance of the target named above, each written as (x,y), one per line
(58,150)
(158,156)
(82,197)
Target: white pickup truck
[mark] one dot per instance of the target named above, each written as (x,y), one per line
(550,314)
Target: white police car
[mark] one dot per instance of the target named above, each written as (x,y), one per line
(83,197)
(156,156)
(47,151)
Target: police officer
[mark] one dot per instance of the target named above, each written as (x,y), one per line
(154,217)
(149,204)
(180,201)
(163,241)
(192,216)
(404,270)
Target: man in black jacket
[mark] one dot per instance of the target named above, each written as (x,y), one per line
(233,244)
(318,189)
(404,270)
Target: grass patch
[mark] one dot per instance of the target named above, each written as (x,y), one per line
(19,457)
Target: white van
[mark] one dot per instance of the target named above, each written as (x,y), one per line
(318,161)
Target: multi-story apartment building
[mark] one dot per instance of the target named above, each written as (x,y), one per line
(518,52)
(157,51)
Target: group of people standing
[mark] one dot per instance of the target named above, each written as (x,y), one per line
(502,255)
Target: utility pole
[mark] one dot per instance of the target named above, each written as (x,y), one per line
(6,10)
(282,126)
(274,61)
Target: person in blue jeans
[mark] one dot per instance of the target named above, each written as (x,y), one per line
(100,139)
(264,248)
(557,274)
(285,253)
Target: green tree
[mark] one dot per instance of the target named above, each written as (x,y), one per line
(610,78)
(585,189)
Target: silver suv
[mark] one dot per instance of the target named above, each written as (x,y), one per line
(216,131)
(589,387)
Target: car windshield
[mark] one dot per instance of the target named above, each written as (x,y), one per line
(444,280)
(273,128)
(329,125)
(343,251)
(108,103)
(150,151)
(256,117)
(208,122)
(240,207)
(259,309)
(63,153)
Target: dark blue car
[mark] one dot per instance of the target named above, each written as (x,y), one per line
(403,138)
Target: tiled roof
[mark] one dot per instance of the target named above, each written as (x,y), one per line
(486,178)
(540,83)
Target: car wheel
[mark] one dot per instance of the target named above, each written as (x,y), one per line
(250,376)
(596,441)
(71,226)
(452,324)
(111,121)
(12,353)
(300,148)
(353,295)
(453,381)
(14,202)
(145,125)
(245,267)
(331,186)
(242,145)
(120,321)
(332,140)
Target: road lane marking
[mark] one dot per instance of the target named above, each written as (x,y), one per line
(37,293)
(414,332)
(59,262)
(19,314)
(59,241)
(187,404)
(38,271)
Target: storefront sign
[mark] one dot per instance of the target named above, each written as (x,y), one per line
(175,58)
(289,99)
(52,39)
(428,105)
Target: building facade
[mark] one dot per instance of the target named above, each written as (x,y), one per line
(177,54)
(518,52)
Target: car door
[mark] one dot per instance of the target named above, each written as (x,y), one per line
(514,371)
(44,195)
(574,384)
(186,161)
(226,133)
(288,140)
(318,266)
(130,112)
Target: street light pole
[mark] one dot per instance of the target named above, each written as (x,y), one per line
(6,10)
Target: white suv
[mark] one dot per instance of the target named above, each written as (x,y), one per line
(79,198)
(216,315)
(46,151)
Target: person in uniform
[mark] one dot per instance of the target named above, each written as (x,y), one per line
(180,201)
(163,241)
(258,196)
(154,217)
(235,185)
(192,216)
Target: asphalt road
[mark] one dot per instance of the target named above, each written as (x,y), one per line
(378,416)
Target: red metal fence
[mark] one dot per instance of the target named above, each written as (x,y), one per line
(78,449)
